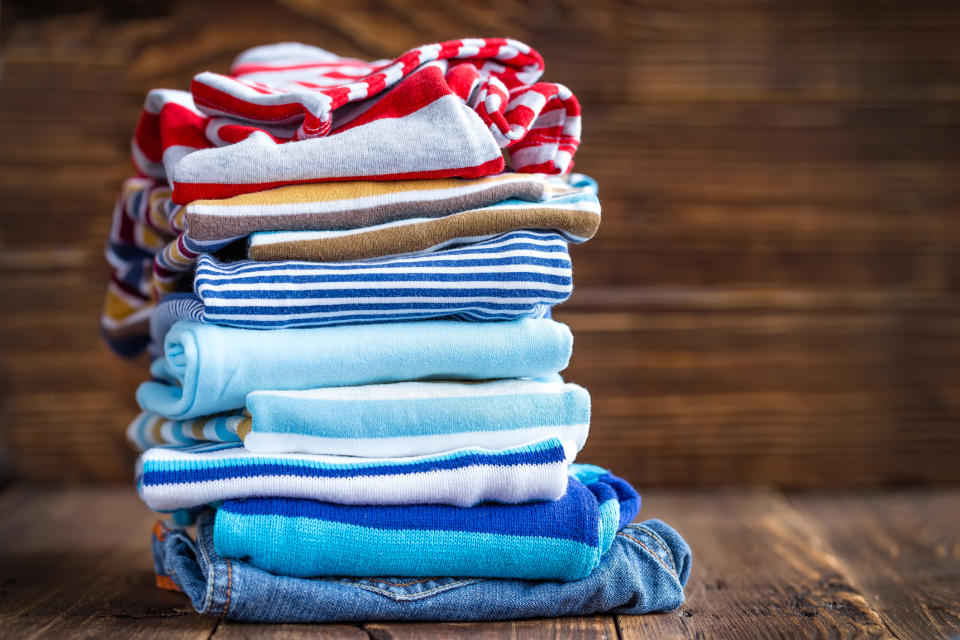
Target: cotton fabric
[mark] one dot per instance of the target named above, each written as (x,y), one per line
(414,418)
(291,113)
(516,275)
(559,540)
(209,369)
(643,571)
(359,204)
(575,215)
(154,244)
(149,430)
(179,478)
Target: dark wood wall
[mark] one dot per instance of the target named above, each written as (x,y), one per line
(774,296)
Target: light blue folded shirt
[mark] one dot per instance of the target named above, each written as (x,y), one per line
(414,418)
(209,368)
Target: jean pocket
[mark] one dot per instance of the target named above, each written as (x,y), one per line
(407,589)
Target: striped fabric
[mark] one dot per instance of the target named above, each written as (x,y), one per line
(359,204)
(519,274)
(152,430)
(171,478)
(415,418)
(574,213)
(154,244)
(144,222)
(172,309)
(560,540)
(467,99)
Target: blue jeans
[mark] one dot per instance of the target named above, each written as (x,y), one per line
(644,571)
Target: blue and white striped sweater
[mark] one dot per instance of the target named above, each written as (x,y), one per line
(178,478)
(518,274)
(559,540)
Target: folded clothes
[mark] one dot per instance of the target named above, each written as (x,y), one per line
(154,244)
(419,129)
(292,113)
(575,215)
(386,420)
(151,430)
(145,222)
(560,540)
(518,274)
(209,369)
(643,571)
(173,308)
(359,204)
(414,418)
(181,478)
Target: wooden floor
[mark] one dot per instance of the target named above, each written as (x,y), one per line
(879,565)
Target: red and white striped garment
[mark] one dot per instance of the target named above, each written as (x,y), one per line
(292,113)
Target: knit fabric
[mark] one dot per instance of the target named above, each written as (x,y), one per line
(419,129)
(170,478)
(151,430)
(154,244)
(144,224)
(575,214)
(173,308)
(359,204)
(511,276)
(209,369)
(560,540)
(293,113)
(414,418)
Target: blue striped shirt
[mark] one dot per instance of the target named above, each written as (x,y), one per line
(518,274)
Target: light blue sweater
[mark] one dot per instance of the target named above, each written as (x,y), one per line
(208,368)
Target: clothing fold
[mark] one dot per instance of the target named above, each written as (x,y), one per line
(292,113)
(563,539)
(191,476)
(644,571)
(516,275)
(209,369)
(415,418)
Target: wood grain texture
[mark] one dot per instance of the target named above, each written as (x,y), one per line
(901,549)
(584,628)
(773,297)
(760,570)
(76,564)
(229,630)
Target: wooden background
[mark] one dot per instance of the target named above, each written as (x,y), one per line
(774,296)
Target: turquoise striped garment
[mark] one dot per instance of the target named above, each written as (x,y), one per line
(560,540)
(171,478)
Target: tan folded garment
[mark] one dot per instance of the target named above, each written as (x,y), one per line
(575,213)
(349,205)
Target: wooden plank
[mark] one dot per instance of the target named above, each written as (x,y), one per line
(581,628)
(901,549)
(759,571)
(230,630)
(76,564)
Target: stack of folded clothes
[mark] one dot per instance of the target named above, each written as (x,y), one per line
(356,393)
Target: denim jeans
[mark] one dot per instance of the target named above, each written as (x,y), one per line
(644,571)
